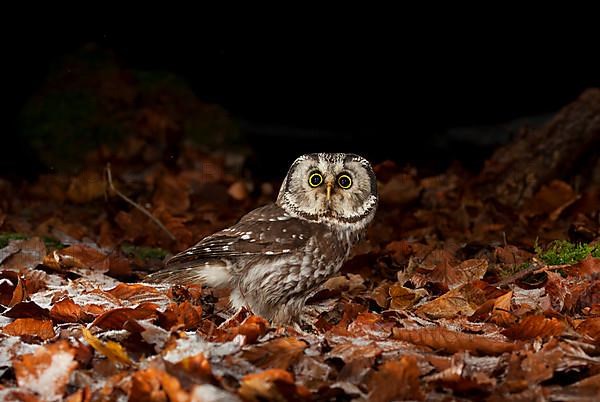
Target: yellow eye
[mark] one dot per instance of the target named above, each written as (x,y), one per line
(344,181)
(315,179)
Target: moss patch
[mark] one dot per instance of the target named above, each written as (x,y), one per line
(563,252)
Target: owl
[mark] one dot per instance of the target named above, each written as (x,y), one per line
(278,255)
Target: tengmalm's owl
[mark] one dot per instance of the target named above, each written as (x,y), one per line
(278,255)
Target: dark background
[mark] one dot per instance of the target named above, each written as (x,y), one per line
(411,95)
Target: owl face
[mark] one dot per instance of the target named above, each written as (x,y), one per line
(330,188)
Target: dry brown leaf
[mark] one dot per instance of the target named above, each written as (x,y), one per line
(65,310)
(253,328)
(501,312)
(534,326)
(78,256)
(27,310)
(20,292)
(110,349)
(551,199)
(116,318)
(396,380)
(42,329)
(153,385)
(463,300)
(403,298)
(197,366)
(46,372)
(452,341)
(137,293)
(271,385)
(278,353)
(190,315)
(370,325)
(31,253)
(590,328)
(588,267)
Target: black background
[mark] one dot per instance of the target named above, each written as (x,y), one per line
(388,93)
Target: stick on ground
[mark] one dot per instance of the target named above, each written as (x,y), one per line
(154,219)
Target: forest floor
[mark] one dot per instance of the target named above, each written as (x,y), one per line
(453,295)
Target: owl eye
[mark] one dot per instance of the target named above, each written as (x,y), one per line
(315,179)
(344,181)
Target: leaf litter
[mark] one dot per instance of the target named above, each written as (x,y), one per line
(451,296)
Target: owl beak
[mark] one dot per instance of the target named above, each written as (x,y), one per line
(329,186)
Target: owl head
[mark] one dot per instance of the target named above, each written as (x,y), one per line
(331,188)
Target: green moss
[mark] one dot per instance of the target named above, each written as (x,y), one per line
(6,238)
(50,242)
(144,253)
(561,252)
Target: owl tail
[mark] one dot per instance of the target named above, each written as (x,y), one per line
(209,274)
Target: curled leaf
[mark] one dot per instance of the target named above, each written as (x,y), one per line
(110,349)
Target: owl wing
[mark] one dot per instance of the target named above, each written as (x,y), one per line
(265,232)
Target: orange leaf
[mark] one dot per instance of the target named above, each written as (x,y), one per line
(137,293)
(452,341)
(42,329)
(116,318)
(278,353)
(197,366)
(396,380)
(501,314)
(66,310)
(154,385)
(190,315)
(253,328)
(585,268)
(20,292)
(78,256)
(591,329)
(534,326)
(46,371)
(271,385)
(460,301)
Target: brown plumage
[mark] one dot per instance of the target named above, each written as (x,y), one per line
(278,255)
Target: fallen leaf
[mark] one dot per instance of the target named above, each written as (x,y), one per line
(65,310)
(46,371)
(463,300)
(272,385)
(116,318)
(278,353)
(452,341)
(590,328)
(588,267)
(110,349)
(31,253)
(42,329)
(501,312)
(396,380)
(534,326)
(190,315)
(27,310)
(152,385)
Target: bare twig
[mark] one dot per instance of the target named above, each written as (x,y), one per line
(112,187)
